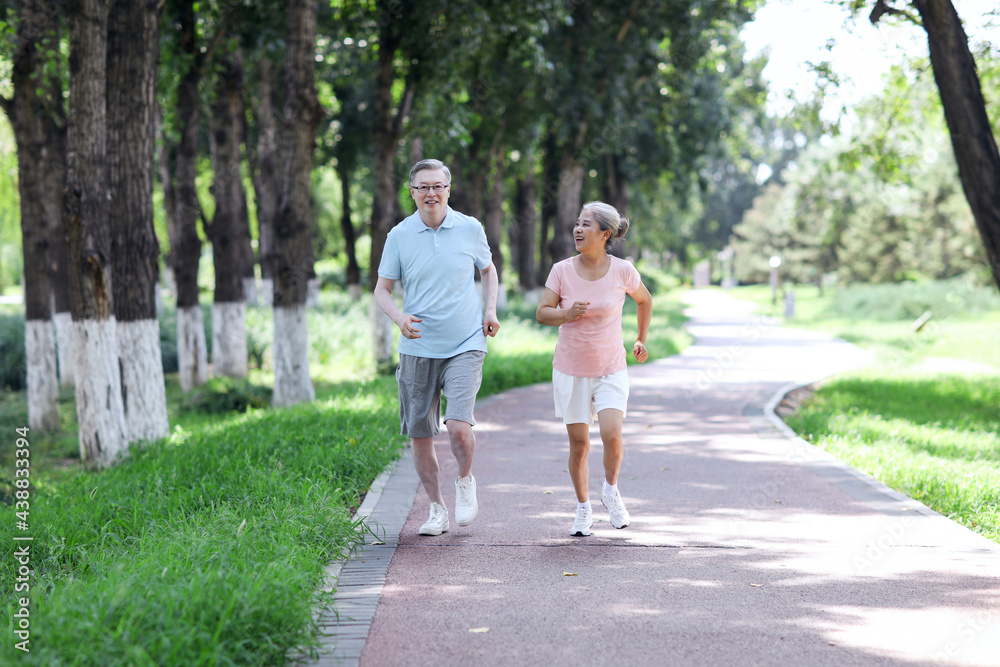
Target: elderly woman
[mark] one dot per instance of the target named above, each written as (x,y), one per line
(584,296)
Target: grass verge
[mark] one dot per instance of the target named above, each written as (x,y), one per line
(923,418)
(207,547)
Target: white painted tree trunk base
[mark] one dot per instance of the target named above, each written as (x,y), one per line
(99,410)
(43,378)
(192,356)
(65,347)
(383,335)
(229,339)
(250,291)
(312,293)
(292,383)
(144,396)
(266,295)
(354,291)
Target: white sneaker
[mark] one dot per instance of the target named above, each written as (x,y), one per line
(584,520)
(438,521)
(466,505)
(619,515)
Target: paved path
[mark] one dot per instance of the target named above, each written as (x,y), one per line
(747,546)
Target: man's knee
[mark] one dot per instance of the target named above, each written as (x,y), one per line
(458,428)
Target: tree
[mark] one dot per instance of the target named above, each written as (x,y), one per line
(185,244)
(228,231)
(35,32)
(965,112)
(132,63)
(292,260)
(99,409)
(263,169)
(635,95)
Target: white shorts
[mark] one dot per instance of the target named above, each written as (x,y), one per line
(578,400)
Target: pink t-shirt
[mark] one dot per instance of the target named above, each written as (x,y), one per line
(592,345)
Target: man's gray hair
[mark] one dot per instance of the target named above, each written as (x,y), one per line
(429,164)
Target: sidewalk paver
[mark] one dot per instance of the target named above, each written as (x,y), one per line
(747,546)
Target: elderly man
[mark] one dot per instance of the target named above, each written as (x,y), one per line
(443,328)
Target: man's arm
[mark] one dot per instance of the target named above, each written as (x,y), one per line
(490,286)
(383,297)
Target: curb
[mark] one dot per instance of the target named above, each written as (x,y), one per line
(356,579)
(855,483)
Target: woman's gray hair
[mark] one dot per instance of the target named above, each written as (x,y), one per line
(608,219)
(429,164)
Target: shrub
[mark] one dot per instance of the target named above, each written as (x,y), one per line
(224,394)
(13,364)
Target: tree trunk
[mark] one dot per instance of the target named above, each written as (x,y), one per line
(265,179)
(525,220)
(550,200)
(99,410)
(133,61)
(52,154)
(228,230)
(386,139)
(54,151)
(968,123)
(568,206)
(25,112)
(293,259)
(166,165)
(386,131)
(185,247)
(347,228)
(616,189)
(473,184)
(493,223)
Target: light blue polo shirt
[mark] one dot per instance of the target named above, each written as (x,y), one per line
(436,270)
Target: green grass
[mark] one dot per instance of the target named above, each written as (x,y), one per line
(936,439)
(207,547)
(932,435)
(203,548)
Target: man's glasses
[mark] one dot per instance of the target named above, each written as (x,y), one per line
(424,189)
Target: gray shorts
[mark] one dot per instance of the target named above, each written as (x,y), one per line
(421,382)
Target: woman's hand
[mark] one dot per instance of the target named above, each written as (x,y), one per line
(577,310)
(639,351)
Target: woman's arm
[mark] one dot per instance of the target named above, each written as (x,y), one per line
(644,301)
(551,314)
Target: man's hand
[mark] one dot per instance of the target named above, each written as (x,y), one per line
(490,324)
(407,328)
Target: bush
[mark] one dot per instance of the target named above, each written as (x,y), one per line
(221,395)
(168,340)
(13,363)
